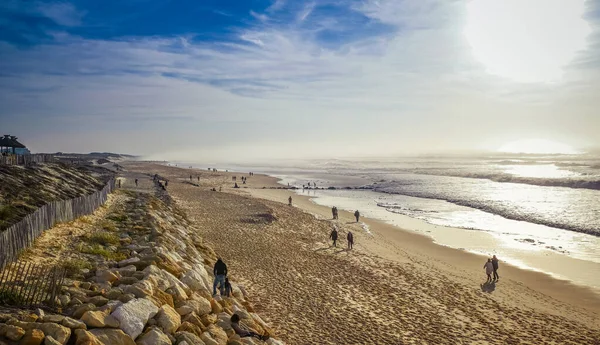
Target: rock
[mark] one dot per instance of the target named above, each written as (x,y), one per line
(134,315)
(112,337)
(110,306)
(73,324)
(75,302)
(85,285)
(114,294)
(83,309)
(140,289)
(153,337)
(217,334)
(49,340)
(168,319)
(32,337)
(185,309)
(11,332)
(53,318)
(139,275)
(84,337)
(126,281)
(216,307)
(127,271)
(190,327)
(40,313)
(161,298)
(178,293)
(194,280)
(98,301)
(143,264)
(103,276)
(127,262)
(127,297)
(207,339)
(99,319)
(208,319)
(200,304)
(189,338)
(57,332)
(64,300)
(235,340)
(194,319)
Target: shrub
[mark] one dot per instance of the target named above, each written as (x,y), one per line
(74,266)
(97,249)
(104,238)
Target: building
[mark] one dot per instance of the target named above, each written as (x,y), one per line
(10,144)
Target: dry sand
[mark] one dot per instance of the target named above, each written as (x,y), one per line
(395,287)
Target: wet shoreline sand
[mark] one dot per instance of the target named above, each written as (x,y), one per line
(394,287)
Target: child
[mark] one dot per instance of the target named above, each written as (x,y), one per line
(235,324)
(227,288)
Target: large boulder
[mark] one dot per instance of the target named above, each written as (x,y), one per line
(73,324)
(208,339)
(141,289)
(189,338)
(134,315)
(128,262)
(83,309)
(12,332)
(99,319)
(218,334)
(106,276)
(195,281)
(58,332)
(112,336)
(83,337)
(191,328)
(200,304)
(154,336)
(168,319)
(32,337)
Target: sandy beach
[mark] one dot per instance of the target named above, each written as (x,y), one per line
(394,287)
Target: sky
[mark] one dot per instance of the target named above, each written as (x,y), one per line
(260,79)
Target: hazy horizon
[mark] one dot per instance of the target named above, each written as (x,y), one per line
(275,79)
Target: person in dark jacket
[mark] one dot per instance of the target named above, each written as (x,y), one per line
(220,272)
(334,236)
(357,215)
(235,324)
(495,265)
(350,239)
(290,200)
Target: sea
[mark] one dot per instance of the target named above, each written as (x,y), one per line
(531,209)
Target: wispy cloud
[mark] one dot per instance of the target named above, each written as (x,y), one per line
(381,71)
(62,13)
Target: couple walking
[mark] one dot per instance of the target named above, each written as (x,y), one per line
(491,267)
(334,236)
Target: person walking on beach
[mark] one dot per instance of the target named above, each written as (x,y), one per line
(235,324)
(220,272)
(336,216)
(495,266)
(333,212)
(290,200)
(198,178)
(350,239)
(136,182)
(334,236)
(489,268)
(357,215)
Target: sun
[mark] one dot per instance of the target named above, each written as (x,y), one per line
(537,146)
(526,40)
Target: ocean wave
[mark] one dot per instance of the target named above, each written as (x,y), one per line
(506,213)
(593,184)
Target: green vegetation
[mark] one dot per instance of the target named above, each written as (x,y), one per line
(74,266)
(104,238)
(9,298)
(119,218)
(97,249)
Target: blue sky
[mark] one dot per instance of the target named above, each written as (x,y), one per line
(208,79)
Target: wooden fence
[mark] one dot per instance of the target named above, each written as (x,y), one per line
(10,159)
(26,284)
(22,234)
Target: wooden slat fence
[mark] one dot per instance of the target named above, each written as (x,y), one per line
(22,234)
(25,284)
(10,159)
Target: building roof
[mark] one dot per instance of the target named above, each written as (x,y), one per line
(11,141)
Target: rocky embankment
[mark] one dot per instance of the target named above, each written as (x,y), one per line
(160,294)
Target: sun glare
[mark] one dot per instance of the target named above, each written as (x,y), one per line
(526,41)
(537,146)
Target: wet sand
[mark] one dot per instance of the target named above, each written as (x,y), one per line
(394,287)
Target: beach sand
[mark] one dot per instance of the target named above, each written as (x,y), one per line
(394,287)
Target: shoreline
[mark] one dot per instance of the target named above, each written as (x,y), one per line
(408,241)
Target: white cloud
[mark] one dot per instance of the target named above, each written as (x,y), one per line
(62,13)
(418,89)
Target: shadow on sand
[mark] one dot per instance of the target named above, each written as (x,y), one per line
(488,286)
